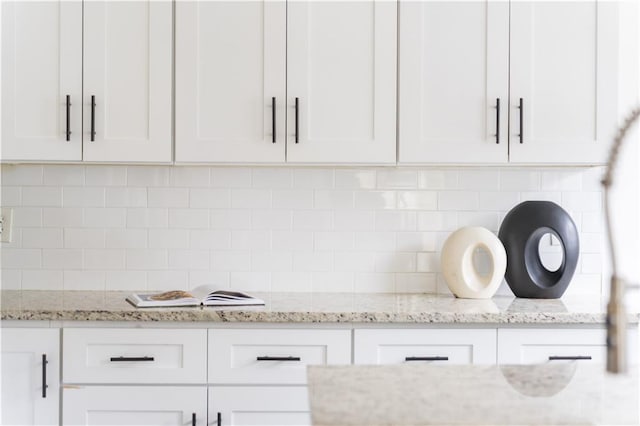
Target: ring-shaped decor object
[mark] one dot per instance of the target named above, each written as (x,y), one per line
(521,231)
(458,268)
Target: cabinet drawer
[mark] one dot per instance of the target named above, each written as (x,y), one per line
(134,356)
(397,346)
(273,356)
(533,346)
(259,405)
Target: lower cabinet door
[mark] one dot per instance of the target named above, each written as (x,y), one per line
(30,374)
(134,405)
(259,405)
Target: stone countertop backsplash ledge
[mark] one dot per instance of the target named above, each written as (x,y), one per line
(312,308)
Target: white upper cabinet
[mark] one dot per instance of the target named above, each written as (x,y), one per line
(341,82)
(52,68)
(564,58)
(127,72)
(230,81)
(41,66)
(454,70)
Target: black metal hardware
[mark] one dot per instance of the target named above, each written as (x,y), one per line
(193,419)
(427,358)
(131,358)
(68,132)
(219,423)
(497,120)
(569,358)
(278,358)
(44,375)
(93,118)
(273,119)
(297,118)
(521,107)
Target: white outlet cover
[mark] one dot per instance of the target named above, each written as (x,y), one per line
(6,227)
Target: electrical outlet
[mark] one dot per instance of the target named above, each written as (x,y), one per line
(6,225)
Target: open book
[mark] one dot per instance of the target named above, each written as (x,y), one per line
(203,295)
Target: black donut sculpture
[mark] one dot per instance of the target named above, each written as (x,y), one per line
(520,233)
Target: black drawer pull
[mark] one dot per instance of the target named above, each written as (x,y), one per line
(427,358)
(278,358)
(44,375)
(569,358)
(131,358)
(193,419)
(297,119)
(273,120)
(219,418)
(68,119)
(93,118)
(497,120)
(521,108)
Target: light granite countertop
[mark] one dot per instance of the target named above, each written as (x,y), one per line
(546,394)
(310,308)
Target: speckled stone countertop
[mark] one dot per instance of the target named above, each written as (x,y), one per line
(309,308)
(545,394)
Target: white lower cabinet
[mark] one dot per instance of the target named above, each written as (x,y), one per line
(134,405)
(259,405)
(447,346)
(535,346)
(30,376)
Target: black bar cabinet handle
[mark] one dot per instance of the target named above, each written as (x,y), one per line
(93,118)
(44,375)
(273,119)
(569,358)
(497,120)
(297,118)
(278,358)
(219,419)
(68,131)
(193,419)
(131,358)
(521,107)
(427,358)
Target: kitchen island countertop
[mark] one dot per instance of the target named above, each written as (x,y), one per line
(311,308)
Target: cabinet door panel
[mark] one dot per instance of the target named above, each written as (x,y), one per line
(230,63)
(133,405)
(127,67)
(41,65)
(454,64)
(22,399)
(564,67)
(341,65)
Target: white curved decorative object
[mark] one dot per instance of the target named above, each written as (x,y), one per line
(458,268)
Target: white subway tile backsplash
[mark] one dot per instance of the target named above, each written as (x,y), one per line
(125,197)
(44,196)
(270,228)
(11,279)
(42,238)
(81,197)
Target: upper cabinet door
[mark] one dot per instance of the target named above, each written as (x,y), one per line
(341,70)
(127,73)
(454,70)
(41,66)
(230,74)
(564,68)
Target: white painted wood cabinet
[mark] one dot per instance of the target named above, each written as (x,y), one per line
(87,81)
(302,82)
(554,67)
(30,376)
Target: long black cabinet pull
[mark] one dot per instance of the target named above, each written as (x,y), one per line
(278,358)
(427,358)
(521,107)
(219,420)
(44,375)
(93,118)
(497,120)
(297,118)
(68,131)
(569,358)
(193,419)
(273,119)
(131,358)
